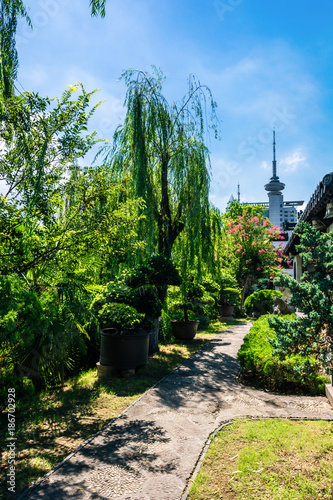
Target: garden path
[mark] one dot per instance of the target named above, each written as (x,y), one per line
(151,450)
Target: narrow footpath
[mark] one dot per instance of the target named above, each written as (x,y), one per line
(151,450)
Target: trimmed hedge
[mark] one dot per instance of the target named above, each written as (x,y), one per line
(261,301)
(257,360)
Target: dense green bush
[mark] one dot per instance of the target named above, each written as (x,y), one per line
(191,298)
(230,296)
(40,334)
(256,359)
(120,316)
(165,333)
(261,301)
(313,295)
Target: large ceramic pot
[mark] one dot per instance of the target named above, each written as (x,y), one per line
(226,310)
(153,337)
(125,351)
(184,330)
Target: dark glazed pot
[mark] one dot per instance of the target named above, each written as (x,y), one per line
(126,352)
(184,330)
(226,310)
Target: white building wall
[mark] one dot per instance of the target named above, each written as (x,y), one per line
(276,208)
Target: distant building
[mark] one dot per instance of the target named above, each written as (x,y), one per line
(281,213)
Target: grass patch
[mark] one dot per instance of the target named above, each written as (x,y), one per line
(268,459)
(53,423)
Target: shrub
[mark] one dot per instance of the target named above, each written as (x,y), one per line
(256,358)
(120,316)
(228,280)
(165,333)
(39,334)
(261,301)
(230,296)
(313,295)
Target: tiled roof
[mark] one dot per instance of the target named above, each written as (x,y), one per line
(315,209)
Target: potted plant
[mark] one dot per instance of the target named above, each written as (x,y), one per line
(124,335)
(188,298)
(149,284)
(228,299)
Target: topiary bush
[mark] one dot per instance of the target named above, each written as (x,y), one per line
(287,375)
(119,316)
(261,301)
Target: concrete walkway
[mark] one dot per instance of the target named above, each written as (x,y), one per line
(151,450)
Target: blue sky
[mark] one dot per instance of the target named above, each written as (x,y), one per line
(267,64)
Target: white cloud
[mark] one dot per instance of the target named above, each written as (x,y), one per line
(293,161)
(265,165)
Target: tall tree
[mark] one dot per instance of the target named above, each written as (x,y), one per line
(10,11)
(251,246)
(162,147)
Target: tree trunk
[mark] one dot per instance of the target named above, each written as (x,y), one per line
(164,216)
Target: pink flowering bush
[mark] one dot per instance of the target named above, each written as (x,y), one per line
(255,255)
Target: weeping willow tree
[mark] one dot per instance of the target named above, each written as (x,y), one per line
(162,147)
(10,11)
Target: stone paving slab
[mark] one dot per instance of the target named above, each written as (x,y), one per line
(151,450)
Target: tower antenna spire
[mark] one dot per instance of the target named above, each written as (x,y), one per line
(274,155)
(238,194)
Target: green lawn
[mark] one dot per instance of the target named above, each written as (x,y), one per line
(268,459)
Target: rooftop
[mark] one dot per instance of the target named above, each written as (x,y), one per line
(315,209)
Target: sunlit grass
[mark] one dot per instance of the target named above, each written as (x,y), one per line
(268,459)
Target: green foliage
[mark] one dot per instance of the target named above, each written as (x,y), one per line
(42,139)
(132,295)
(119,316)
(313,295)
(230,296)
(144,288)
(65,213)
(165,334)
(39,334)
(236,209)
(70,230)
(210,299)
(97,7)
(10,11)
(261,301)
(228,280)
(162,147)
(294,372)
(190,296)
(157,272)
